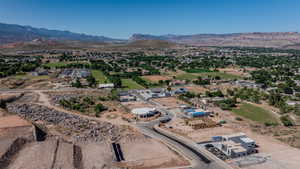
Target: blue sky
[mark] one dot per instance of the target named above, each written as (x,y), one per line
(122,18)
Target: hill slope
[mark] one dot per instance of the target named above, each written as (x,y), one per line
(151,44)
(273,39)
(10,33)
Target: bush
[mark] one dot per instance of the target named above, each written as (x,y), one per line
(99,108)
(270,124)
(286,121)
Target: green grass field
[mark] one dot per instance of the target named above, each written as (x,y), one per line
(99,76)
(130,84)
(186,76)
(254,113)
(56,64)
(192,76)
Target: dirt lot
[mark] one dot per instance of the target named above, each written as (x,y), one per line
(13,121)
(156,78)
(170,102)
(234,71)
(96,156)
(35,155)
(136,104)
(139,154)
(196,89)
(281,155)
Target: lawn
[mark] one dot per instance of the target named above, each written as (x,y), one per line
(99,76)
(56,64)
(254,113)
(186,76)
(130,84)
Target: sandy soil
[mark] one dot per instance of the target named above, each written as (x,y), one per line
(140,154)
(5,144)
(136,104)
(196,89)
(156,78)
(234,71)
(35,155)
(13,121)
(96,156)
(170,102)
(64,156)
(281,155)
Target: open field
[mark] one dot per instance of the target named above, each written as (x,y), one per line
(141,154)
(196,89)
(99,76)
(254,113)
(156,78)
(192,76)
(62,64)
(186,76)
(130,84)
(27,76)
(170,102)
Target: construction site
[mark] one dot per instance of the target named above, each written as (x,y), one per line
(39,137)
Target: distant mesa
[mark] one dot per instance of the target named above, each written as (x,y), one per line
(14,35)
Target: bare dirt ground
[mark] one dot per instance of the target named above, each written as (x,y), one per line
(13,121)
(196,89)
(156,78)
(97,156)
(136,104)
(35,155)
(281,155)
(64,156)
(237,71)
(141,154)
(2,112)
(170,102)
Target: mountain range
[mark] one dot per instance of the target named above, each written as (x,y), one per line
(12,33)
(256,39)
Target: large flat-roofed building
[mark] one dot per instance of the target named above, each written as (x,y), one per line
(235,145)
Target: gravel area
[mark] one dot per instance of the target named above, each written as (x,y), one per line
(80,128)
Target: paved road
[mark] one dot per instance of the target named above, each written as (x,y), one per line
(186,148)
(193,154)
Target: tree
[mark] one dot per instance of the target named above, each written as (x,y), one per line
(77,84)
(286,121)
(99,108)
(91,80)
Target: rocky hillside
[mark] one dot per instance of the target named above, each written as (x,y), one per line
(151,44)
(10,33)
(273,39)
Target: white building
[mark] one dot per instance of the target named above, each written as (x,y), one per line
(236,145)
(107,85)
(144,112)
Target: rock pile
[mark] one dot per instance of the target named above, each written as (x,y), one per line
(80,128)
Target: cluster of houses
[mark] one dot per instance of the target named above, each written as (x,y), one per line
(75,73)
(126,96)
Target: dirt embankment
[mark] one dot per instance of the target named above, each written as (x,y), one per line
(12,151)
